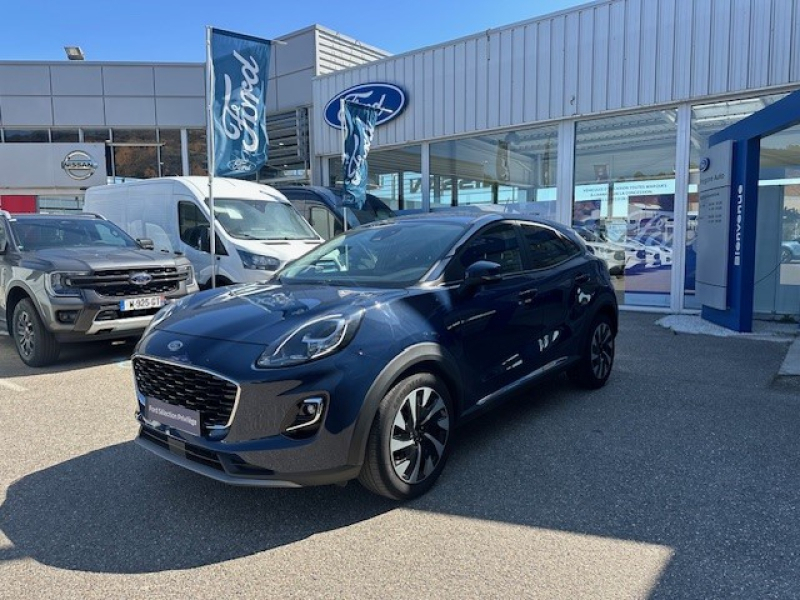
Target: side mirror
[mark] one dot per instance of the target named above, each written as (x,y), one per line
(480,273)
(146,244)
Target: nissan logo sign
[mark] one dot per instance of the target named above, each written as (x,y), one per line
(79,165)
(387,97)
(140,278)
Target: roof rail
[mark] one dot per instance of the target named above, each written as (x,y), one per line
(5,213)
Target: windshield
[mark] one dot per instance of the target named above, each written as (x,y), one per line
(261,220)
(373,210)
(38,233)
(396,254)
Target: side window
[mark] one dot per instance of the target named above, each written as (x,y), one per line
(194,229)
(497,244)
(548,247)
(323,221)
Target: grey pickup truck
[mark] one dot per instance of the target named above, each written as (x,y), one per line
(75,278)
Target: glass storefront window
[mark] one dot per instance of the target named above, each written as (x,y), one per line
(514,169)
(777,275)
(26,136)
(395,176)
(170,152)
(198,154)
(96,136)
(133,136)
(63,135)
(708,119)
(135,162)
(624,200)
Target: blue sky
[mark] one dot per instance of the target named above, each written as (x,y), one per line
(174,31)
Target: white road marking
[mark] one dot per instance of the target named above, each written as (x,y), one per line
(12,386)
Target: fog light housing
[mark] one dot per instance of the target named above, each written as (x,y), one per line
(305,418)
(68,317)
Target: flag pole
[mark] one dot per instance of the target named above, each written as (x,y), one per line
(210,146)
(342,122)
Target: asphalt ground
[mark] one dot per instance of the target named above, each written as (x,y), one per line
(679,479)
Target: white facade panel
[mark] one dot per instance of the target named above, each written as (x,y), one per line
(290,91)
(180,81)
(616,59)
(124,80)
(665,51)
(298,54)
(720,51)
(780,39)
(760,24)
(25,111)
(24,80)
(70,111)
(181,112)
(740,44)
(604,56)
(76,80)
(130,112)
(601,48)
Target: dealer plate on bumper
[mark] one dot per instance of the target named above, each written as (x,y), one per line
(185,419)
(142,303)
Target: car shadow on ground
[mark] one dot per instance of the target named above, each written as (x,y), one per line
(71,358)
(647,459)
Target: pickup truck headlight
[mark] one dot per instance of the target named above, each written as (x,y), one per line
(189,271)
(60,284)
(315,339)
(258,261)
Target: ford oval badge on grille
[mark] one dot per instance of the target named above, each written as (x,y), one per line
(140,278)
(174,346)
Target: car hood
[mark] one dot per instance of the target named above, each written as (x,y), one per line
(97,258)
(261,314)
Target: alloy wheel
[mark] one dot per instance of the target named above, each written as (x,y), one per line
(602,351)
(419,435)
(25,334)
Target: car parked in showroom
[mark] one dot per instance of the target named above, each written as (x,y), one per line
(360,358)
(790,250)
(76,278)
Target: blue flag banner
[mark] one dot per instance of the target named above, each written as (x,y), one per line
(240,67)
(359,127)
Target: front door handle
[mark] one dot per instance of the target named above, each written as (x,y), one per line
(527,296)
(582,278)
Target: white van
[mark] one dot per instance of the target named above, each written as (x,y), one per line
(258,230)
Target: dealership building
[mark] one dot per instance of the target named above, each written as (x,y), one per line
(598,116)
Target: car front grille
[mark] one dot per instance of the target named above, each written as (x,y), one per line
(213,397)
(116,283)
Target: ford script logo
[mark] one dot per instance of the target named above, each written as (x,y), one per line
(387,97)
(140,278)
(79,165)
(704,164)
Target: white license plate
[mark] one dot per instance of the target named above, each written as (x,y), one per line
(142,303)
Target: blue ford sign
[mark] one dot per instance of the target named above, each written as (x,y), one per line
(389,99)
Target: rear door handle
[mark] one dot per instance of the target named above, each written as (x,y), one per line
(527,296)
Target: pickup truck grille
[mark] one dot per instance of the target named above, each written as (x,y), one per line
(212,396)
(116,283)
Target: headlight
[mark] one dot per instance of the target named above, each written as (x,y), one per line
(189,273)
(313,340)
(257,261)
(164,313)
(60,284)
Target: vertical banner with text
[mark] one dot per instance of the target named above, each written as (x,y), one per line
(240,70)
(359,127)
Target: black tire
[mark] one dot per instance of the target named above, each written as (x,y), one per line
(403,463)
(37,347)
(597,358)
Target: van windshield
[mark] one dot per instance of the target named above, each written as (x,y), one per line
(261,220)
